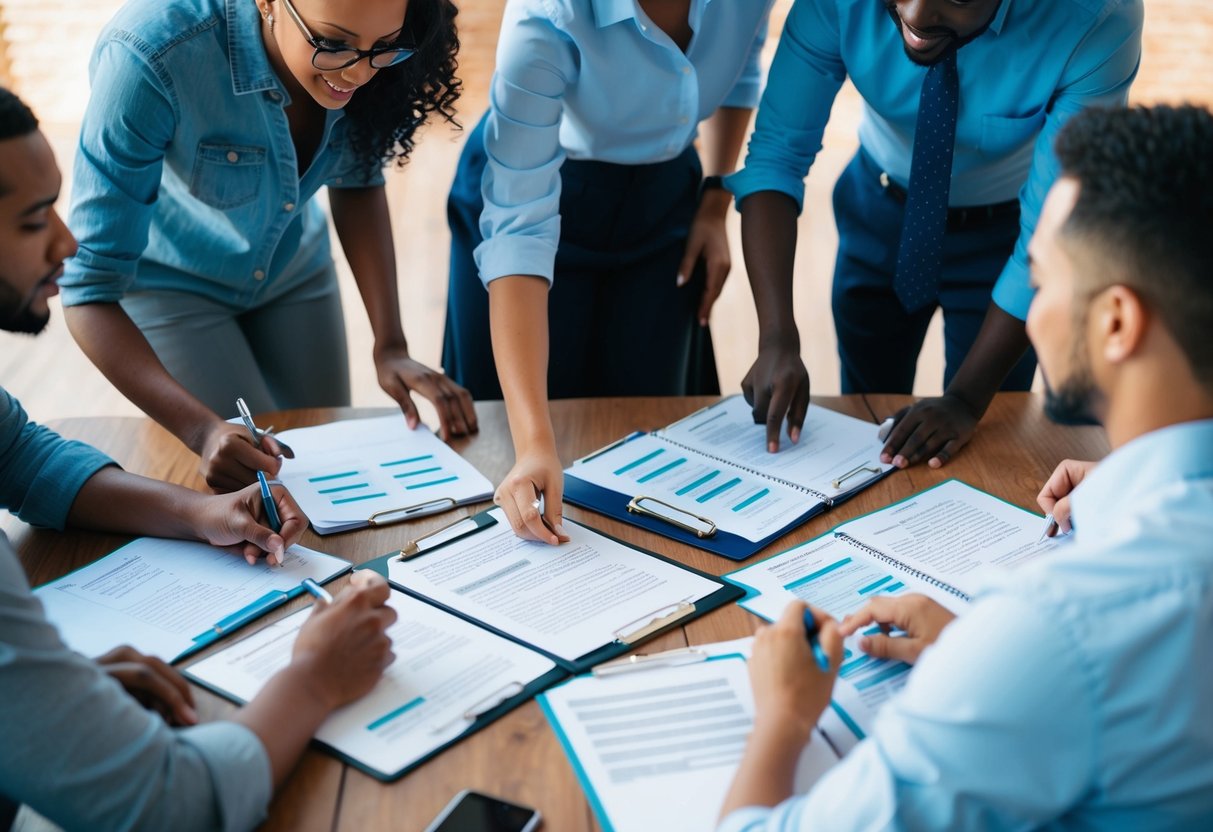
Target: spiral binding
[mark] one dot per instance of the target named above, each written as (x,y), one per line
(917,573)
(829,501)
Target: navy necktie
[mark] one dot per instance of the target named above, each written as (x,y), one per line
(920,255)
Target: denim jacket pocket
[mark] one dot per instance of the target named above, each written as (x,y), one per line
(1002,135)
(227,175)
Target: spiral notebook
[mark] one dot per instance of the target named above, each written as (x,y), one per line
(943,542)
(709,480)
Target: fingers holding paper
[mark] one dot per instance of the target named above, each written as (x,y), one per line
(152,683)
(1054,498)
(238,523)
(532,496)
(789,688)
(919,619)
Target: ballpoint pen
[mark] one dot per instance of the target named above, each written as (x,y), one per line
(257,433)
(317,591)
(810,632)
(267,497)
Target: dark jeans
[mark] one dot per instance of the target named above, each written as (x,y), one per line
(878,341)
(618,324)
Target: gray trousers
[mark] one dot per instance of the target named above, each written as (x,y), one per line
(289,352)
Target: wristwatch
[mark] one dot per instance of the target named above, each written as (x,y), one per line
(711,183)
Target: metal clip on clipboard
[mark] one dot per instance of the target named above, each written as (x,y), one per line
(479,709)
(854,472)
(395,515)
(644,661)
(475,523)
(699,526)
(651,622)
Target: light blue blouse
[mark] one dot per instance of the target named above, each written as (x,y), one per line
(595,79)
(186,177)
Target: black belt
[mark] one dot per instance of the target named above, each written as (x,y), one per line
(970,216)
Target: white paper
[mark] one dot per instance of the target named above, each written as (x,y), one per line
(831,445)
(568,600)
(660,747)
(344,472)
(738,502)
(444,667)
(160,596)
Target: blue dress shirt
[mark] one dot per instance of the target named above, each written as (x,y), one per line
(186,177)
(596,79)
(41,472)
(1074,694)
(1039,63)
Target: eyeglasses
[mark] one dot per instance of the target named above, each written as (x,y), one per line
(339,57)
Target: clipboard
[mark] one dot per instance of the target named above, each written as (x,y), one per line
(627,636)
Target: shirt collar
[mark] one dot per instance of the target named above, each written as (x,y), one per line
(251,70)
(610,12)
(1000,17)
(1156,460)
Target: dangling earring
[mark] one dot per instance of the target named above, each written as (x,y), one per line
(269,17)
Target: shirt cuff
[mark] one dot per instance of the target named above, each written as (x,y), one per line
(509,255)
(59,481)
(239,768)
(751,180)
(86,282)
(745,95)
(745,819)
(1012,293)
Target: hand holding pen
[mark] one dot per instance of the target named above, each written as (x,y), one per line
(238,522)
(791,685)
(1054,498)
(232,454)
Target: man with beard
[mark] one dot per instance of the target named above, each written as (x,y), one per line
(962,102)
(1075,692)
(76,747)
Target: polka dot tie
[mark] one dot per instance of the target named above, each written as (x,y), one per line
(920,255)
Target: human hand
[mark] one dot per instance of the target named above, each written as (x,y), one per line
(535,473)
(708,242)
(399,375)
(1054,498)
(778,386)
(790,690)
(934,429)
(230,460)
(920,618)
(237,522)
(152,683)
(343,648)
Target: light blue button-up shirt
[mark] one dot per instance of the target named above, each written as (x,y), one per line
(186,177)
(1074,694)
(596,79)
(1039,63)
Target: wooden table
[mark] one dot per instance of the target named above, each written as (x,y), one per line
(518,757)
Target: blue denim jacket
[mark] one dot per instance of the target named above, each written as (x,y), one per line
(186,177)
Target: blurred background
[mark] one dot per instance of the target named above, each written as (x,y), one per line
(44,50)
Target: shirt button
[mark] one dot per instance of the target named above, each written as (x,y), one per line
(233,156)
(338,181)
(259,275)
(274,96)
(288,207)
(686,70)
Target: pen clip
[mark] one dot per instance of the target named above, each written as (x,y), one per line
(247,418)
(675,516)
(482,706)
(395,515)
(479,522)
(653,621)
(641,661)
(854,472)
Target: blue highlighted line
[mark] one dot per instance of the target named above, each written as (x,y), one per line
(396,462)
(359,497)
(753,498)
(417,485)
(661,470)
(720,489)
(404,474)
(876,585)
(687,488)
(640,461)
(883,676)
(390,715)
(895,587)
(851,667)
(812,576)
(337,488)
(332,476)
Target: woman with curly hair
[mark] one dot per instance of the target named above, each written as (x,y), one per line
(204,271)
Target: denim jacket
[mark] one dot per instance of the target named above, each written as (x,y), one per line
(186,177)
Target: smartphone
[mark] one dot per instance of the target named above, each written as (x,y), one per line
(471,811)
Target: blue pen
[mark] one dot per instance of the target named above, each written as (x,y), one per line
(317,591)
(810,632)
(271,510)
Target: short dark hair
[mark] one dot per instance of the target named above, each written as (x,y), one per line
(1145,212)
(16,119)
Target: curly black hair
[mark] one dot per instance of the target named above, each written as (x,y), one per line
(385,116)
(1145,210)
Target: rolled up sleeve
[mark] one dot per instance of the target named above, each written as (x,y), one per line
(1098,74)
(746,92)
(805,77)
(521,185)
(127,126)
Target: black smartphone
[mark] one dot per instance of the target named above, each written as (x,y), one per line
(471,811)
